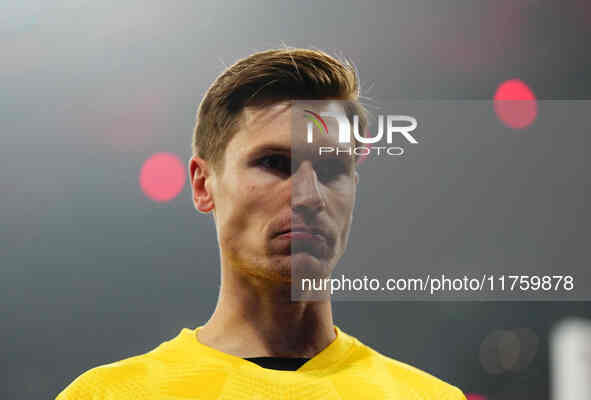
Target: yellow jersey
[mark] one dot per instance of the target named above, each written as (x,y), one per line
(183,368)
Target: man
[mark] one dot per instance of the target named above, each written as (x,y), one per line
(278,207)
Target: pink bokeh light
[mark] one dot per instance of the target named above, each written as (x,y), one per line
(162,177)
(515,104)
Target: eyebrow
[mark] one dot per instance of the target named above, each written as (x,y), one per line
(287,150)
(268,148)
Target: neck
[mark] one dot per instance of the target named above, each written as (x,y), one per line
(255,317)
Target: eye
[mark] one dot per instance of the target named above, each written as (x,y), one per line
(330,170)
(275,162)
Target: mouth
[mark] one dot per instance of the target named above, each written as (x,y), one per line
(304,232)
(301,234)
(314,240)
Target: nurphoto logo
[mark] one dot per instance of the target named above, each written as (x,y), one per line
(392,128)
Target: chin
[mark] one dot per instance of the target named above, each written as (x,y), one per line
(300,263)
(306,265)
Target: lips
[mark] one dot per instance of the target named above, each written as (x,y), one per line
(304,231)
(302,235)
(298,238)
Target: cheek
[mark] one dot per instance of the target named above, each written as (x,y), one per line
(245,207)
(343,199)
(343,204)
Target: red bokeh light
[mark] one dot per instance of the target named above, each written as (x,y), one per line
(162,177)
(515,104)
(474,396)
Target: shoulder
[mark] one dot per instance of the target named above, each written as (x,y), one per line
(408,379)
(123,377)
(139,376)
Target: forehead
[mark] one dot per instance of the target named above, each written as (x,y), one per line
(283,126)
(256,121)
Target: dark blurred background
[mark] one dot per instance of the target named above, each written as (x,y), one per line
(99,264)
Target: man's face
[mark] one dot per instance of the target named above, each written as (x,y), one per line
(273,181)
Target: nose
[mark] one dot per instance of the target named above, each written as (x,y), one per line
(306,193)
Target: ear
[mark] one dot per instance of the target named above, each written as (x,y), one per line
(201,180)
